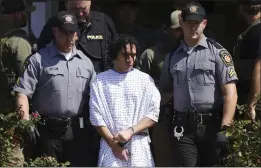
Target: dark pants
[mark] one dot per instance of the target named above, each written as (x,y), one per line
(198,148)
(73,145)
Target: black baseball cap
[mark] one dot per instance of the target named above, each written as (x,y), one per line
(193,11)
(12,6)
(66,21)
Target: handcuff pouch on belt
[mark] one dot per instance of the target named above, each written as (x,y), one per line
(183,122)
(57,124)
(188,121)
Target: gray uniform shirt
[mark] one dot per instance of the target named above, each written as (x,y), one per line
(196,76)
(57,87)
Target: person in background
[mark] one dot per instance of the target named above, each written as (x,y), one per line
(15,47)
(247,53)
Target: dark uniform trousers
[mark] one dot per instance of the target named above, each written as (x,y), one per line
(66,143)
(199,145)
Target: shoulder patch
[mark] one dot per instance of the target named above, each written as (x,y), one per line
(232,73)
(226,57)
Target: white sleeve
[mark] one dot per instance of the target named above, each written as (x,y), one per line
(96,116)
(154,98)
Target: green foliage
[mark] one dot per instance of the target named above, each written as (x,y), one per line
(12,130)
(11,133)
(245,142)
(45,161)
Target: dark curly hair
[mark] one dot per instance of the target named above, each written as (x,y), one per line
(121,42)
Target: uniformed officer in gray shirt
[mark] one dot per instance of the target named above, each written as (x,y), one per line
(201,76)
(57,79)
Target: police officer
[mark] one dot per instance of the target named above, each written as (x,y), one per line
(14,47)
(201,75)
(247,56)
(96,31)
(57,79)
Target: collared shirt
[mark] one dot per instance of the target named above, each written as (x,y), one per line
(196,78)
(57,87)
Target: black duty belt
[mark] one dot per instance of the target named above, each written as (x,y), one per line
(200,117)
(63,122)
(187,122)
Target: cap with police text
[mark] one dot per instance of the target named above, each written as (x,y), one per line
(194,12)
(174,18)
(67,21)
(12,6)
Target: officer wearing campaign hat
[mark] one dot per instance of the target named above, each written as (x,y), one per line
(57,80)
(201,77)
(247,52)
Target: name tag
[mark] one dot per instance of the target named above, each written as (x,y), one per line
(95,37)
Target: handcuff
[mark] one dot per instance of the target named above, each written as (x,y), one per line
(178,135)
(124,144)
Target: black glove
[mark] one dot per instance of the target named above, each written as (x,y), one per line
(32,134)
(222,140)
